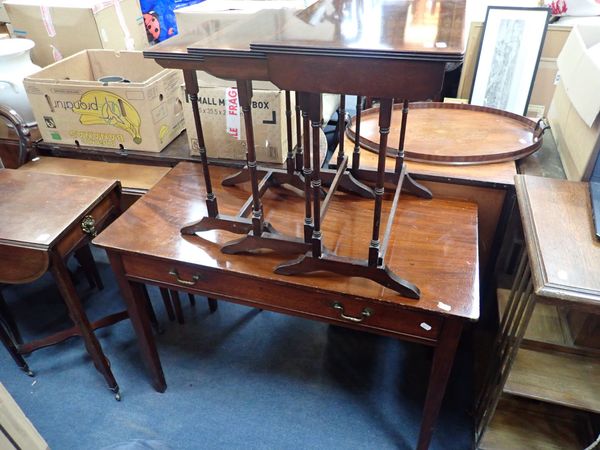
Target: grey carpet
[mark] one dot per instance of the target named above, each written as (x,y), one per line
(238,378)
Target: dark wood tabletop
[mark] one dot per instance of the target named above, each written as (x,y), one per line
(379,28)
(235,40)
(433,244)
(439,235)
(30,218)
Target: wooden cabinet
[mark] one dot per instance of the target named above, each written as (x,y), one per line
(542,389)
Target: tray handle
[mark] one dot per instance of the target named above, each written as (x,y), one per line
(540,127)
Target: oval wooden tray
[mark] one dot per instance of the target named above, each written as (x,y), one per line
(449,133)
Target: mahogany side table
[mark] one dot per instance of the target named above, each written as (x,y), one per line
(145,246)
(44,218)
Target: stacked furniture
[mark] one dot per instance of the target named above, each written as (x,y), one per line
(178,235)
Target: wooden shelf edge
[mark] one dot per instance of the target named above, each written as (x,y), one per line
(562,379)
(524,425)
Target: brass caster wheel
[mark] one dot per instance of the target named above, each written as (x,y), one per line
(117,393)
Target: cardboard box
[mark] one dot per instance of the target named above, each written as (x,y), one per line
(61,28)
(223,124)
(3,15)
(6,30)
(72,107)
(574,112)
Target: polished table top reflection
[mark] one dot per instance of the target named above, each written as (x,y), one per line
(411,28)
(434,242)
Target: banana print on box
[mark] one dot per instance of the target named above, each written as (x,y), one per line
(108,108)
(162,134)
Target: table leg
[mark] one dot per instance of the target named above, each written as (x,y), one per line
(212,304)
(12,349)
(177,306)
(86,259)
(166,297)
(151,313)
(9,320)
(441,367)
(138,313)
(61,274)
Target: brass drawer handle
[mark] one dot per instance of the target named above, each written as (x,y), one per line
(366,312)
(195,278)
(88,225)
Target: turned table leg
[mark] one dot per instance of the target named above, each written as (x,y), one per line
(12,350)
(69,294)
(138,313)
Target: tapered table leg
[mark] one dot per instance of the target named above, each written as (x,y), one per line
(9,320)
(136,306)
(151,313)
(65,286)
(177,306)
(443,358)
(13,351)
(86,259)
(212,304)
(166,297)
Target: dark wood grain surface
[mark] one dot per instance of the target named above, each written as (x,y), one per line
(379,28)
(433,242)
(133,177)
(446,133)
(36,208)
(564,254)
(235,40)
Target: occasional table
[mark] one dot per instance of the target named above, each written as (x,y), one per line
(437,248)
(44,218)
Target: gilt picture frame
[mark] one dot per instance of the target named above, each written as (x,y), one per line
(508,57)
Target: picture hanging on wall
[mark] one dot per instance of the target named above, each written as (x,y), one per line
(508,57)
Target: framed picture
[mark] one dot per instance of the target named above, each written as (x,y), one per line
(508,57)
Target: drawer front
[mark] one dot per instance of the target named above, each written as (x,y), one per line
(104,210)
(296,300)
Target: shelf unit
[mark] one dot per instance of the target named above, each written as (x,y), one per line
(542,389)
(523,424)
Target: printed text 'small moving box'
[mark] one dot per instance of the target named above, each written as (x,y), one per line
(223,124)
(574,112)
(61,28)
(72,107)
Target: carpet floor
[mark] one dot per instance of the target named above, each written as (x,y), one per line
(238,378)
